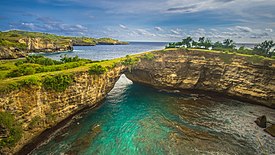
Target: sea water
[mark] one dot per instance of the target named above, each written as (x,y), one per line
(136,119)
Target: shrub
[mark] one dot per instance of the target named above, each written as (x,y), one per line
(58,82)
(227,58)
(97,69)
(66,58)
(34,122)
(129,60)
(25,69)
(31,81)
(39,59)
(3,68)
(10,130)
(149,56)
(255,59)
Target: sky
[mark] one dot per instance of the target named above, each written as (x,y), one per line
(246,21)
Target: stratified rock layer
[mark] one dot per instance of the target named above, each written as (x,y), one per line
(38,109)
(247,77)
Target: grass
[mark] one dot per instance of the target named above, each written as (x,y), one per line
(8,84)
(11,129)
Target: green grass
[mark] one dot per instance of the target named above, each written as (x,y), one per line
(8,84)
(11,129)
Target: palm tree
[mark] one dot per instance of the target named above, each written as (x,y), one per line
(228,43)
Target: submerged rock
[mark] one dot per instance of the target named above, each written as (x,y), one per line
(270,130)
(261,121)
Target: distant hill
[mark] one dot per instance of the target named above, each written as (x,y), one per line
(15,44)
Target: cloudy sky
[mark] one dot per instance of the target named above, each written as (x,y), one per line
(144,20)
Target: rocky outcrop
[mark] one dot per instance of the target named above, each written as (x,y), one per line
(11,53)
(38,109)
(39,45)
(34,45)
(246,77)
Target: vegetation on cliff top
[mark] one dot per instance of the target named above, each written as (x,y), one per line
(42,71)
(265,48)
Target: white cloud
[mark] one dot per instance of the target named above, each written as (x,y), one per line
(144,32)
(175,32)
(269,30)
(243,29)
(158,28)
(122,26)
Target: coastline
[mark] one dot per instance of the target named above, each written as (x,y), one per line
(49,133)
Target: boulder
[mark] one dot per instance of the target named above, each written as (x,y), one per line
(270,130)
(261,121)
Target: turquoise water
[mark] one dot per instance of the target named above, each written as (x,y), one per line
(135,119)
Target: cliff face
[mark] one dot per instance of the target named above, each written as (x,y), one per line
(38,109)
(246,77)
(39,44)
(34,45)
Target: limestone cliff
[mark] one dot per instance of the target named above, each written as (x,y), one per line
(38,109)
(34,45)
(46,45)
(247,77)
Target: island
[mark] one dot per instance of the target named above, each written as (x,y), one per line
(15,44)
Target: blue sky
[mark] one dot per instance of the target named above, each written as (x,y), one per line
(144,20)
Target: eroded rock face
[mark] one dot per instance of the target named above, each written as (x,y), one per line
(38,44)
(34,45)
(11,53)
(48,108)
(233,75)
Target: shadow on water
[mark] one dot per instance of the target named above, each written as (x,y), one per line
(135,119)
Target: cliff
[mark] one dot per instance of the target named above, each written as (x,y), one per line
(250,78)
(16,44)
(37,108)
(43,45)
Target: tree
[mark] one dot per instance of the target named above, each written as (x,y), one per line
(187,41)
(218,45)
(265,48)
(201,41)
(228,43)
(207,43)
(194,43)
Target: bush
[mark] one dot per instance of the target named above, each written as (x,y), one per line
(34,122)
(97,69)
(41,60)
(256,59)
(58,82)
(227,58)
(31,81)
(129,60)
(66,58)
(10,130)
(25,69)
(149,56)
